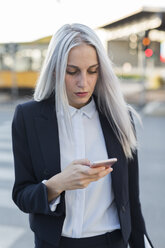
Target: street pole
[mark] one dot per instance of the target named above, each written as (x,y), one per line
(142,65)
(14,86)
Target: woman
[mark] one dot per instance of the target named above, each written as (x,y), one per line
(78,116)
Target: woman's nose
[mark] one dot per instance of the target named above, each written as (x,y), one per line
(82,81)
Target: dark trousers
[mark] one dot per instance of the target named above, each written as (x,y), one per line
(108,240)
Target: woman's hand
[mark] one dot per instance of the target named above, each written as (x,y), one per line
(77,175)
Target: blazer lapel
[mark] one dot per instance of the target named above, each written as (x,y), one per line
(47,131)
(114,150)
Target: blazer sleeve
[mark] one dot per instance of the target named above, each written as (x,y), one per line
(138,233)
(28,194)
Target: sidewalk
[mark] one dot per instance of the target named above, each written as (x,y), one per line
(8,103)
(150,102)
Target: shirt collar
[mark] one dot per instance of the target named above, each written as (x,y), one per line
(88,109)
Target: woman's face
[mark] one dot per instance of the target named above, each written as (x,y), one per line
(81,75)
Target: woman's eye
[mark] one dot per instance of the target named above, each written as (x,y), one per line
(77,71)
(71,72)
(92,72)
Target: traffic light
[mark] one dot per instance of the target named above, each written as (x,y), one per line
(148,52)
(146,46)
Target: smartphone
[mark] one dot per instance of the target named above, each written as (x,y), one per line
(106,163)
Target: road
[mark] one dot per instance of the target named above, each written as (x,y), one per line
(14,226)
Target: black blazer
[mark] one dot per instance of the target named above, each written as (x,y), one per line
(37,157)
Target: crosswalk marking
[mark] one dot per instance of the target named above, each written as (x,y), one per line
(5,130)
(6,157)
(4,136)
(5,145)
(6,200)
(14,233)
(6,124)
(6,174)
(9,235)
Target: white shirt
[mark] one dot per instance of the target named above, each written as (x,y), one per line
(90,211)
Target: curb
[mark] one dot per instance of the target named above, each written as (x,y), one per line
(154,109)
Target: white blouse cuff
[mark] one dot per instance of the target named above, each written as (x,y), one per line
(53,204)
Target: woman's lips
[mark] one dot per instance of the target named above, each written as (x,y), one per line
(81,94)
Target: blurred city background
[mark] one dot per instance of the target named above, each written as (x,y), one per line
(133,35)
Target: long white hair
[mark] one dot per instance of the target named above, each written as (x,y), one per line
(107,90)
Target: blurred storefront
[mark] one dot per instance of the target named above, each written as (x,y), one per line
(136,45)
(20,63)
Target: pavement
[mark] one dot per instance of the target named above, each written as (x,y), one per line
(155,108)
(7,102)
(148,102)
(14,226)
